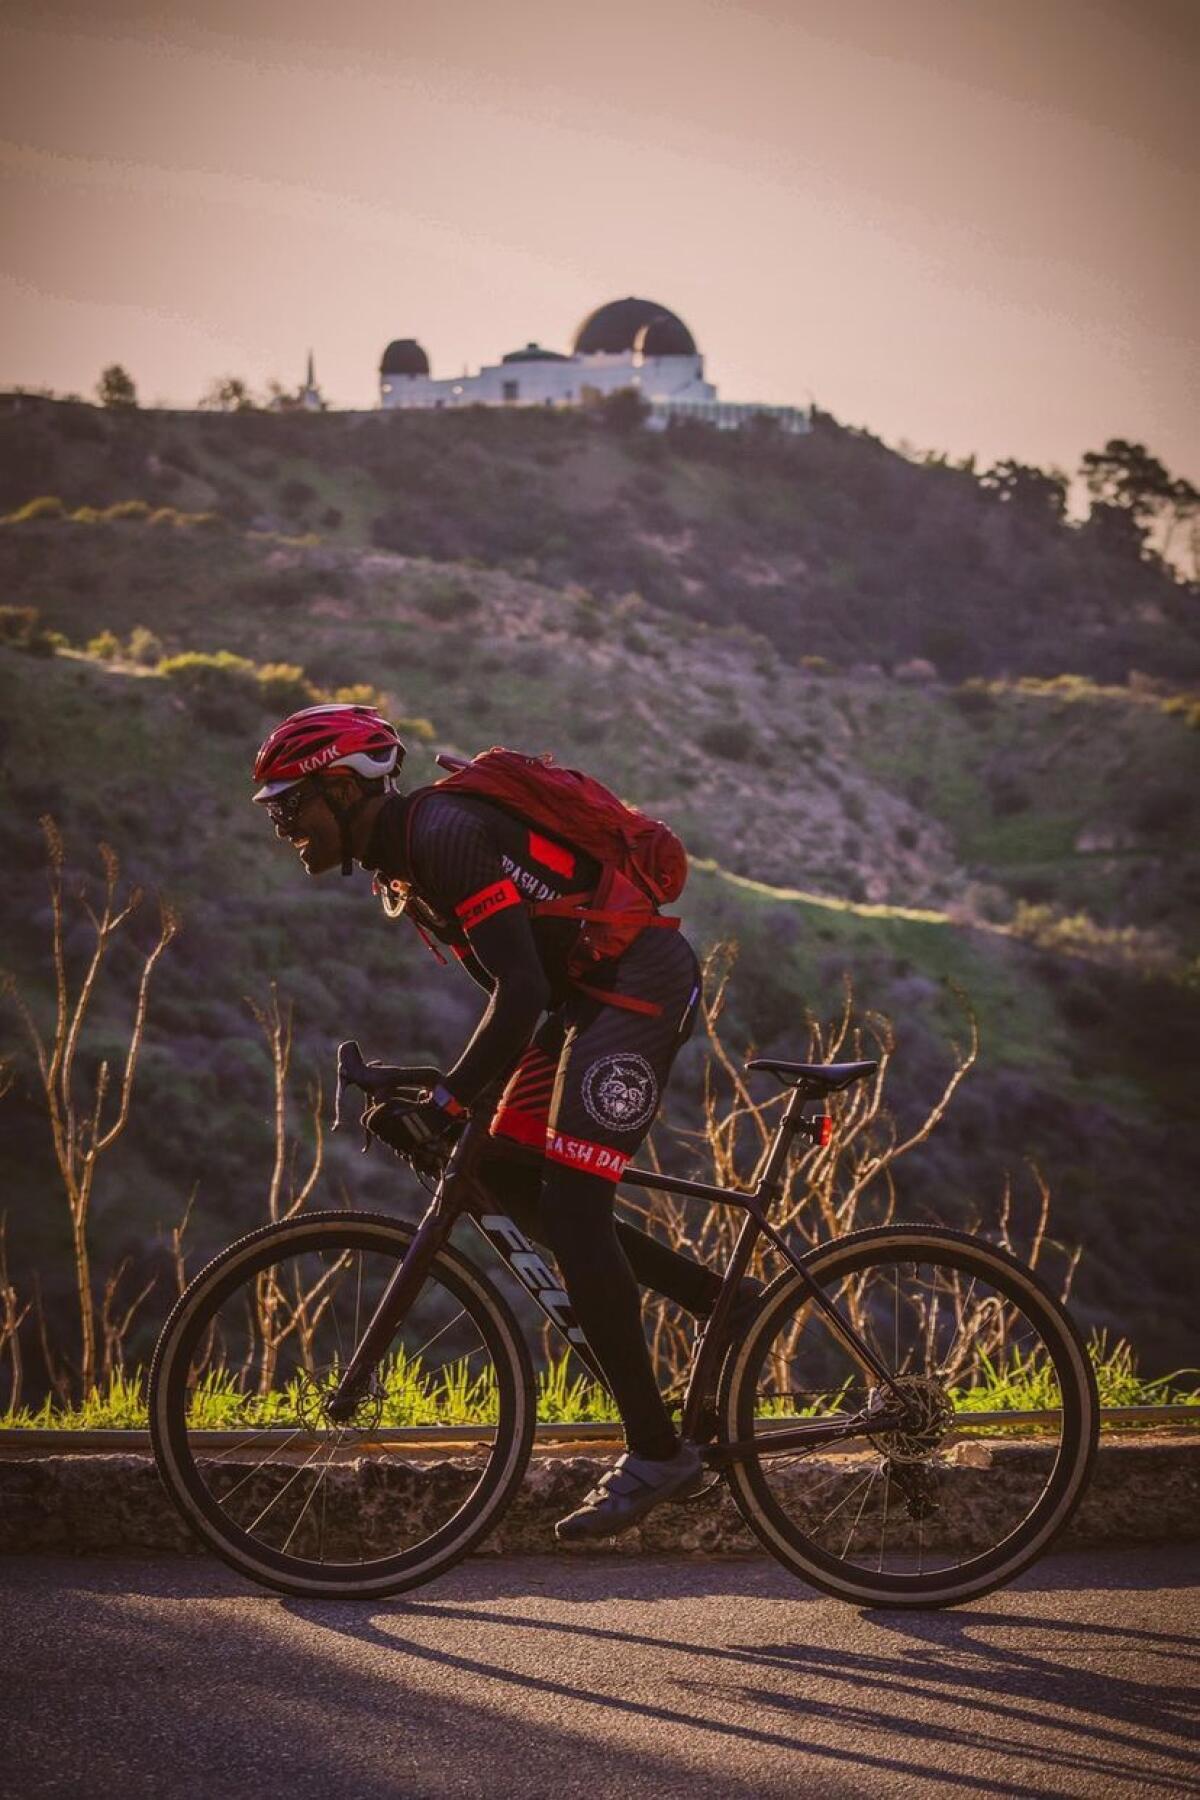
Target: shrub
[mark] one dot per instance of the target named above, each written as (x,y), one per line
(197,669)
(361,693)
(331,518)
(221,689)
(1185,706)
(816,665)
(86,515)
(1009,795)
(127,509)
(588,622)
(16,623)
(46,506)
(144,647)
(422,729)
(295,496)
(449,600)
(106,645)
(21,626)
(285,686)
(731,739)
(975,699)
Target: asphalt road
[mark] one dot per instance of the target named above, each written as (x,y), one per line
(549,1676)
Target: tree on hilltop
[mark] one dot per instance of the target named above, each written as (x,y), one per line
(228,393)
(1126,475)
(1027,489)
(1125,478)
(115,387)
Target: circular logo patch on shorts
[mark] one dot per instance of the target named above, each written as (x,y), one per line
(620,1092)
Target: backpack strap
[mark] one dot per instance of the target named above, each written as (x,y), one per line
(628,1001)
(574,906)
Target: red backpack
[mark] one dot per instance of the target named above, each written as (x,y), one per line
(643,863)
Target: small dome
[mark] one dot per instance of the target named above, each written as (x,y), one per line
(613,328)
(665,336)
(534,353)
(404,356)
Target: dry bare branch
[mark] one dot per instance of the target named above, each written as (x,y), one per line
(76,1118)
(12,1317)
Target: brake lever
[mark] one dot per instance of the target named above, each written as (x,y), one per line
(379,1080)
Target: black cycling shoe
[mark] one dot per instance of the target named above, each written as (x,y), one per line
(627,1493)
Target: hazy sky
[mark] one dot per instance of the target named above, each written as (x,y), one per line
(972,226)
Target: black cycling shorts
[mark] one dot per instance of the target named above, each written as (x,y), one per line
(586,1091)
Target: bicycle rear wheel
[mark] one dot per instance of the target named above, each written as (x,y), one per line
(997,1453)
(239,1393)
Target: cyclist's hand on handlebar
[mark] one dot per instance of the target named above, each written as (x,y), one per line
(380,1080)
(420,1131)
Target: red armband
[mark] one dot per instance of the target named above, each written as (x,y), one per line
(488,900)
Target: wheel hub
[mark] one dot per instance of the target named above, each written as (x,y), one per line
(930,1417)
(316,1389)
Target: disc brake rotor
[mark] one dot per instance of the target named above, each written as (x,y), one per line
(316,1388)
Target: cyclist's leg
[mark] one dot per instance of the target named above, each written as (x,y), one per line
(607,1303)
(607,1089)
(517,1187)
(513,1170)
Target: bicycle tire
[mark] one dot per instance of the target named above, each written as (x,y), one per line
(896,1247)
(187,1476)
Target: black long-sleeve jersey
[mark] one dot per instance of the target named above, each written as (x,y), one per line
(477,871)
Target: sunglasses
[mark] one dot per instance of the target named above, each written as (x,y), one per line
(286,808)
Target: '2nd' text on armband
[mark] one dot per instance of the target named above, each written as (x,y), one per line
(480,906)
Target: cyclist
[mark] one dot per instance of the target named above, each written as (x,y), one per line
(579,1078)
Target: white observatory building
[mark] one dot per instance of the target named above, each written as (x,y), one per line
(628,343)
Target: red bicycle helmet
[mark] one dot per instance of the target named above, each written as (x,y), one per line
(327,737)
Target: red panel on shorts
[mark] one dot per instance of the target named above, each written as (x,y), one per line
(525,1103)
(521,1127)
(578,1153)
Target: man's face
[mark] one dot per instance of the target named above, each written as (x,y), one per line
(309,824)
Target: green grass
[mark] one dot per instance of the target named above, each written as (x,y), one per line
(457,1396)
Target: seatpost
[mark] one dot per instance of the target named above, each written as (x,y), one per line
(769,1181)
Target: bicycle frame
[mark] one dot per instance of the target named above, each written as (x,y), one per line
(459,1192)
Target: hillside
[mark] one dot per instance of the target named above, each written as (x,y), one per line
(828,544)
(983,823)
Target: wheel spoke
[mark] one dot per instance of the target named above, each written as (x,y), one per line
(259,1467)
(858,1515)
(294,1477)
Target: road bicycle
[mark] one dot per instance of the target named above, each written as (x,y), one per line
(852,1417)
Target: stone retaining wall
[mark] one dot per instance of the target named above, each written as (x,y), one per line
(1142,1491)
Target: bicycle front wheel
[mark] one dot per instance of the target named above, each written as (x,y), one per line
(994,1457)
(239,1393)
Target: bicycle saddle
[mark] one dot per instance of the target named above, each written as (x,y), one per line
(828,1077)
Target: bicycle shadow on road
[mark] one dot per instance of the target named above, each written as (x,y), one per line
(949,1682)
(1040,1684)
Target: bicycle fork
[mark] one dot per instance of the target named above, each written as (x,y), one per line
(457,1192)
(448,1202)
